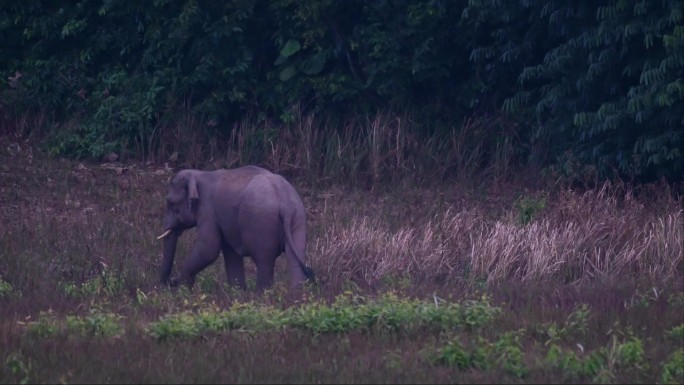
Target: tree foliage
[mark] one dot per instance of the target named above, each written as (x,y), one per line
(597,84)
(606,86)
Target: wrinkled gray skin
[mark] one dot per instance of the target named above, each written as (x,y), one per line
(247,211)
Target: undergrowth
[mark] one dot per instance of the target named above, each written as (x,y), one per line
(436,282)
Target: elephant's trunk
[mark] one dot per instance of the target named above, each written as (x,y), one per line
(170,241)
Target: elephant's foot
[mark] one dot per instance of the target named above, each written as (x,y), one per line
(177,282)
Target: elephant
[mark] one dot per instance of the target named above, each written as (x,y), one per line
(245,211)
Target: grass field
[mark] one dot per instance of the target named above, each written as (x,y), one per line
(434,283)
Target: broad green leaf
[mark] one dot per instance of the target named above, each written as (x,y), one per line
(280,60)
(290,48)
(287,73)
(314,64)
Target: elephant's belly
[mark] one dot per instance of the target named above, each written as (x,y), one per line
(258,244)
(249,247)
(241,250)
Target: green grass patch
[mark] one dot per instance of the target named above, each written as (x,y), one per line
(387,313)
(94,324)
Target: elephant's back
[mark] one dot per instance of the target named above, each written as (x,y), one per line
(243,185)
(235,180)
(244,171)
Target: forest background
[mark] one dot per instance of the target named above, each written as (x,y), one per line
(581,90)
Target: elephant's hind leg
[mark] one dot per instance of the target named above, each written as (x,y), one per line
(235,267)
(265,265)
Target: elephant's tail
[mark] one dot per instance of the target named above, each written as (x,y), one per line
(292,248)
(293,217)
(308,273)
(294,251)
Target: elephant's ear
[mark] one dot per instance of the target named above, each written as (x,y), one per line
(193,196)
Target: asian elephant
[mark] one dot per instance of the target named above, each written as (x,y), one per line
(246,211)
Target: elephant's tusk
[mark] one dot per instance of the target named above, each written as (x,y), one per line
(166,234)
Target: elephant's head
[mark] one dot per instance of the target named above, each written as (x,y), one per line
(182,202)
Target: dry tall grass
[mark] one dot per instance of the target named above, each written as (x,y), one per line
(600,234)
(362,150)
(388,210)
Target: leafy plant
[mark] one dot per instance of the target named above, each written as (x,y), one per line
(455,354)
(631,354)
(576,325)
(673,368)
(509,354)
(676,333)
(96,323)
(46,325)
(5,288)
(19,367)
(104,284)
(574,367)
(506,352)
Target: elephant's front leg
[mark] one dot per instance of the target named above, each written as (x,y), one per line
(235,267)
(204,252)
